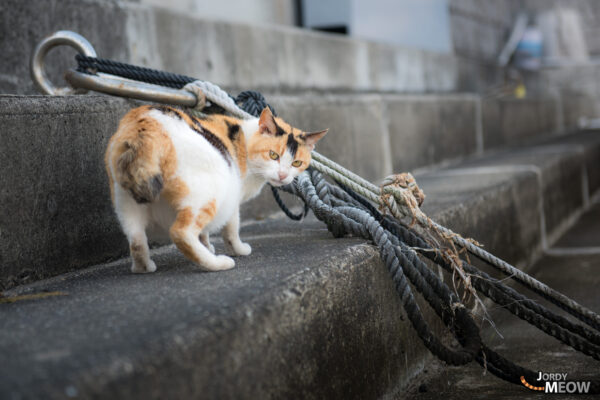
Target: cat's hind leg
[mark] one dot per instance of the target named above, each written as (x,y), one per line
(205,239)
(185,233)
(231,236)
(134,219)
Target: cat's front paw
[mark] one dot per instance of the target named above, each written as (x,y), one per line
(242,249)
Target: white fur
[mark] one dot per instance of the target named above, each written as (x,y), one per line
(205,172)
(208,176)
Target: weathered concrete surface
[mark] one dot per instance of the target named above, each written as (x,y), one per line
(508,121)
(24,23)
(584,233)
(479,29)
(282,324)
(586,141)
(498,209)
(234,55)
(578,106)
(578,88)
(426,130)
(562,168)
(358,136)
(62,217)
(574,275)
(56,213)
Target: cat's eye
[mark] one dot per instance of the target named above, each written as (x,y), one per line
(296,163)
(273,155)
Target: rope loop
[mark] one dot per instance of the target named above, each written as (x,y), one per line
(200,96)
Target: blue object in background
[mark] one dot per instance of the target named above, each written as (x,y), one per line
(528,54)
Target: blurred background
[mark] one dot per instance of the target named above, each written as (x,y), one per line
(488,103)
(484,46)
(569,29)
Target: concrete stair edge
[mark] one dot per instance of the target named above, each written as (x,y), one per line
(339,309)
(63,213)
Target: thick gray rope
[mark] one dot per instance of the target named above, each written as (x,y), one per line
(588,342)
(342,220)
(373,193)
(218,96)
(343,214)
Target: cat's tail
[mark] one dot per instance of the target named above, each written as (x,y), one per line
(137,170)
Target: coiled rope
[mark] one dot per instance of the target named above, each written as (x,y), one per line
(348,208)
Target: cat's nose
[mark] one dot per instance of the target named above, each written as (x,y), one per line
(282,175)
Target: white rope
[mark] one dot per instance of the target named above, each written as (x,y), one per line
(216,95)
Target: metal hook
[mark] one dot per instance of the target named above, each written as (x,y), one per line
(58,38)
(104,83)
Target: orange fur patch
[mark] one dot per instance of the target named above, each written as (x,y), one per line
(177,232)
(175,191)
(206,214)
(141,155)
(183,222)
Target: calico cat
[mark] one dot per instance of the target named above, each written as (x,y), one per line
(188,176)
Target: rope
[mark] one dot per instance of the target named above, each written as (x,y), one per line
(503,295)
(346,204)
(398,261)
(348,209)
(92,65)
(285,209)
(373,193)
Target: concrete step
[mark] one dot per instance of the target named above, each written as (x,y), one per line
(574,274)
(233,55)
(305,316)
(54,178)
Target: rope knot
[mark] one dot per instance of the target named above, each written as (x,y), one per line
(405,180)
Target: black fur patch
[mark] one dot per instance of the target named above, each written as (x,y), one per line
(233,131)
(189,114)
(279,131)
(292,145)
(213,140)
(170,111)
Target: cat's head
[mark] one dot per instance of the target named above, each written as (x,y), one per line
(278,151)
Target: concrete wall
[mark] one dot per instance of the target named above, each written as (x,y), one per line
(233,55)
(57,213)
(479,28)
(413,23)
(259,12)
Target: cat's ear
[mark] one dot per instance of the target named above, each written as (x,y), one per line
(311,138)
(266,122)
